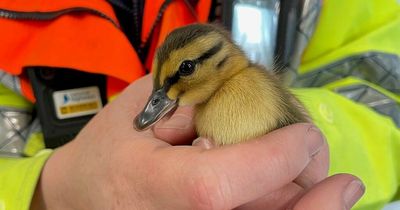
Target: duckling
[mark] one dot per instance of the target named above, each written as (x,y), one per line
(234,99)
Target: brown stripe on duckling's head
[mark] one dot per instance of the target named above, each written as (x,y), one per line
(209,53)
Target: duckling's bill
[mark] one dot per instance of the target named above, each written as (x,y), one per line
(156,108)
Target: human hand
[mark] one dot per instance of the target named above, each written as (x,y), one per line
(111,166)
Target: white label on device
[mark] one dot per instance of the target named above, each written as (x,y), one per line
(77,102)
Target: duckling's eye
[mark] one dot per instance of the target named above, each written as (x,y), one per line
(187,68)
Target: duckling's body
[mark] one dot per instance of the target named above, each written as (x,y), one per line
(248,105)
(234,99)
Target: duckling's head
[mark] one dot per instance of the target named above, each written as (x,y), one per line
(191,64)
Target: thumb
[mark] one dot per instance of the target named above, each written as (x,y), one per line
(340,191)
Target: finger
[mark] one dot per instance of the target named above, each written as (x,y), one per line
(241,173)
(179,129)
(340,191)
(316,170)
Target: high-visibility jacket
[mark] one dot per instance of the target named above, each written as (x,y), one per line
(362,139)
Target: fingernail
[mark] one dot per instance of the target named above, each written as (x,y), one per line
(353,193)
(178,121)
(315,140)
(202,142)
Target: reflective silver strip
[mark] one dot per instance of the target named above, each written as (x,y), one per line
(378,68)
(373,99)
(10,81)
(15,126)
(304,31)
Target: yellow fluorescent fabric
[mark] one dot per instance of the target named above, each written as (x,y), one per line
(18,179)
(8,98)
(351,27)
(361,142)
(34,144)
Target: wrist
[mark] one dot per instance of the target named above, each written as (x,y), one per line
(53,190)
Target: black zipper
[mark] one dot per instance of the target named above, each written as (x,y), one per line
(137,18)
(132,9)
(159,16)
(120,5)
(156,22)
(44,16)
(137,13)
